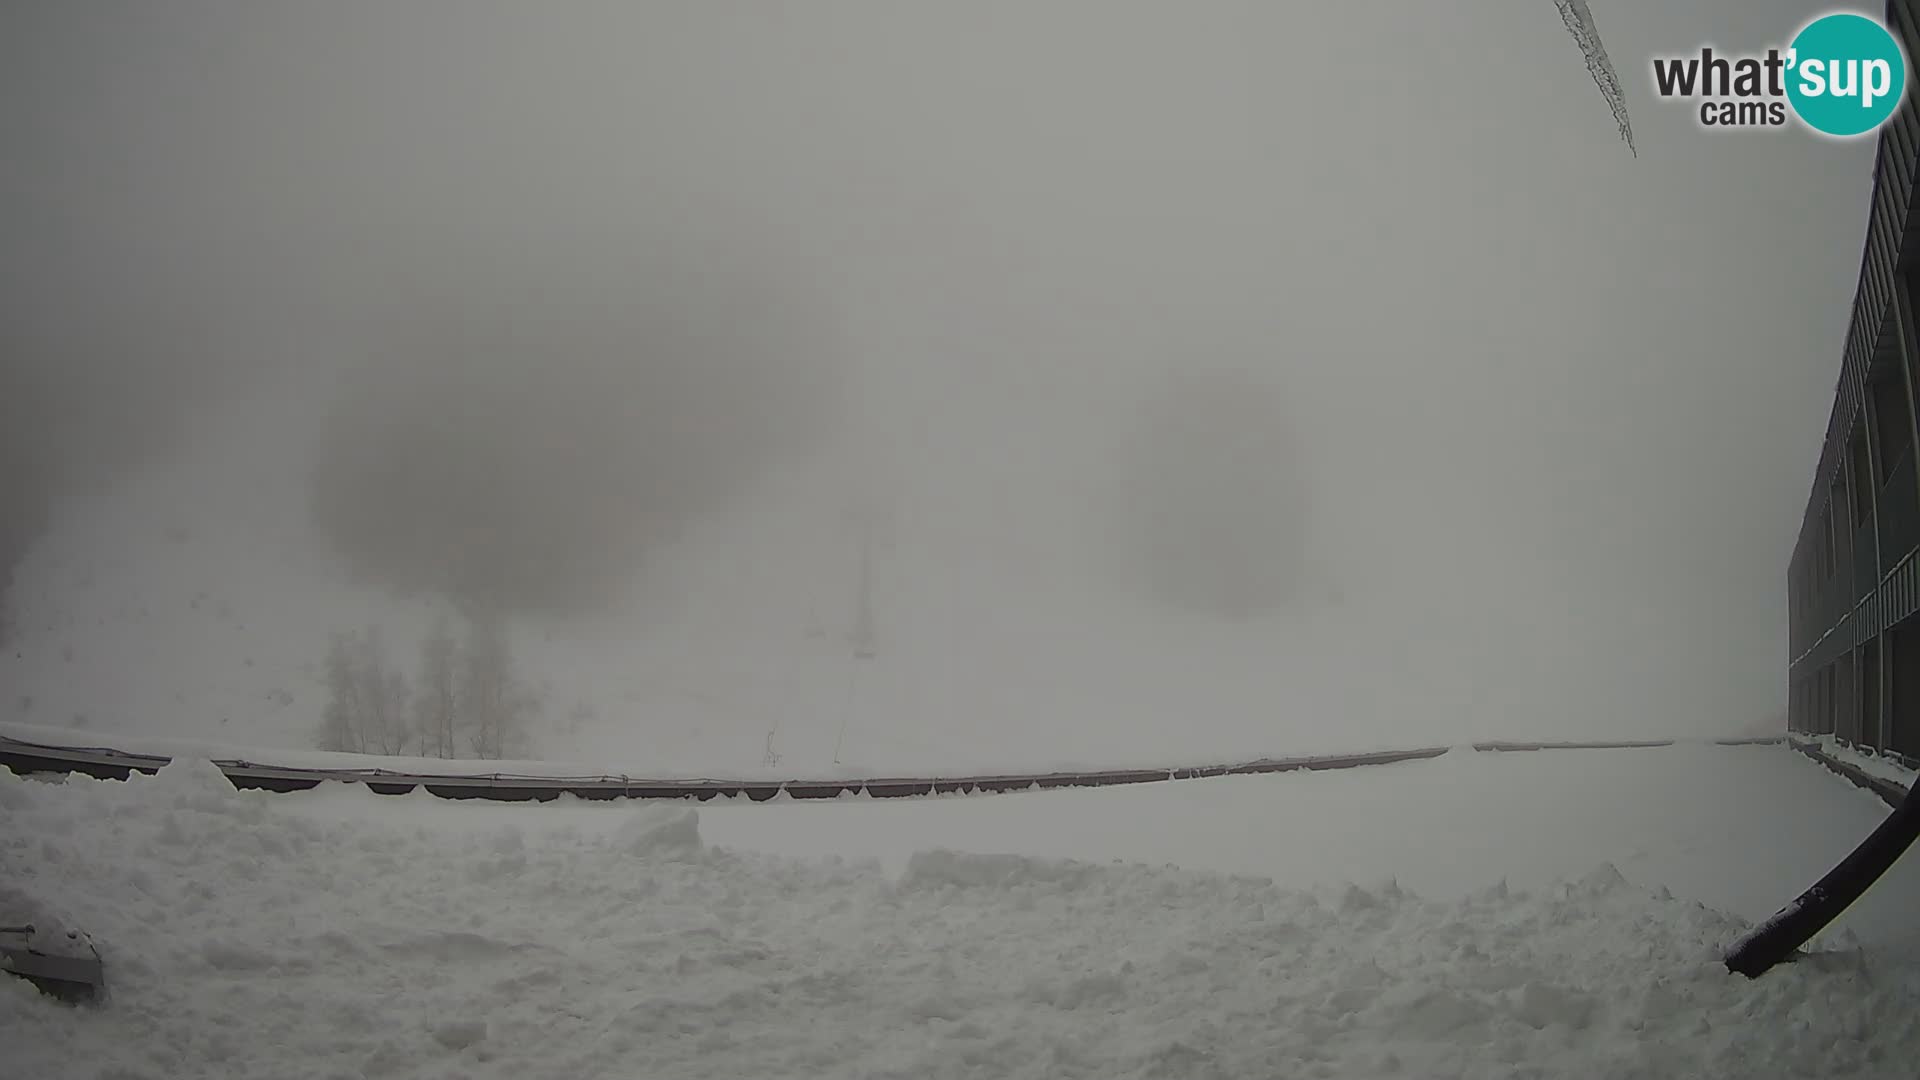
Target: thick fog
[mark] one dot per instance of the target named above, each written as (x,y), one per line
(1138,378)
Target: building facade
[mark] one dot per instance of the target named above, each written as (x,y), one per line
(1853,583)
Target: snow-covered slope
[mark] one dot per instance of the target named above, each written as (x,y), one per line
(190,600)
(337,933)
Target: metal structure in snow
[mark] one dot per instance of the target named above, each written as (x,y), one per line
(1781,936)
(62,962)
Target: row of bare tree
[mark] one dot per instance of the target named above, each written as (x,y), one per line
(467,701)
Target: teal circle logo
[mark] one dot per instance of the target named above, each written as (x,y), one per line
(1846,74)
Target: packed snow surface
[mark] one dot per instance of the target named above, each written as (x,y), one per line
(337,933)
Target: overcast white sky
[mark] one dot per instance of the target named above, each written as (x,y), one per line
(1548,407)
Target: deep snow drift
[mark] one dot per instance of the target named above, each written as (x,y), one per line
(1866,760)
(335,933)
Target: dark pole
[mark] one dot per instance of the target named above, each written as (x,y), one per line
(1790,927)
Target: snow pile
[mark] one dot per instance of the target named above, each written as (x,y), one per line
(1866,760)
(337,933)
(657,829)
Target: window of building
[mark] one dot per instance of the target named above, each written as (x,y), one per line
(1867,727)
(1823,539)
(1840,517)
(1861,470)
(1825,723)
(1903,695)
(1892,418)
(1845,707)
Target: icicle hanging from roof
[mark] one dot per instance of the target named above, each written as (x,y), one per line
(1579,22)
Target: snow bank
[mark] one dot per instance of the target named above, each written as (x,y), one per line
(1864,759)
(339,933)
(656,829)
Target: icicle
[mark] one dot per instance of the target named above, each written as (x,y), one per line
(1579,22)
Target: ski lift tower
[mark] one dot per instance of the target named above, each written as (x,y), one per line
(872,518)
(863,636)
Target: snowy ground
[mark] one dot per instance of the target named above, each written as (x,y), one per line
(1741,829)
(336,933)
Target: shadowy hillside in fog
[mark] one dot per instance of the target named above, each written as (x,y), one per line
(1215,513)
(523,451)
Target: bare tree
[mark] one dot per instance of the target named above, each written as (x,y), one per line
(340,725)
(495,706)
(436,707)
(626,413)
(367,710)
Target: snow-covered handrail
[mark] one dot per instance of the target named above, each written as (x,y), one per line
(105,763)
